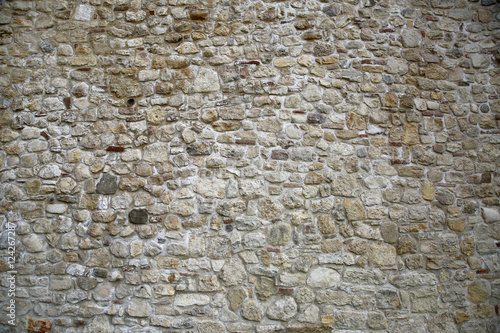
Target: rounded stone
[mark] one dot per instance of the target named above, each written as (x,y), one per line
(322,277)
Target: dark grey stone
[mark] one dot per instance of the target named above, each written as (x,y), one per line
(138,216)
(107,185)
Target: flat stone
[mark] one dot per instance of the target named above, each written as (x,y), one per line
(479,291)
(139,308)
(191,299)
(233,272)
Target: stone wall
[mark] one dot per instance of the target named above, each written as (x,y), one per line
(251,166)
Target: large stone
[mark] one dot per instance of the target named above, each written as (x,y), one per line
(354,210)
(479,291)
(411,38)
(282,309)
(210,188)
(279,234)
(413,279)
(107,185)
(252,310)
(231,208)
(233,272)
(139,308)
(138,216)
(382,255)
(210,326)
(191,299)
(206,81)
(491,215)
(322,277)
(270,209)
(98,324)
(156,152)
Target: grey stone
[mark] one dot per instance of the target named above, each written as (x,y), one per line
(138,216)
(411,38)
(108,184)
(139,308)
(98,324)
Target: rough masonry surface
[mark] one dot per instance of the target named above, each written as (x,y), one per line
(210,166)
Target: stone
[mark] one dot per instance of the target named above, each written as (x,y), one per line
(354,210)
(410,134)
(382,255)
(98,324)
(252,310)
(479,291)
(311,93)
(206,81)
(282,308)
(191,299)
(139,308)
(270,209)
(156,152)
(108,184)
(233,272)
(84,12)
(138,216)
(411,38)
(50,171)
(323,278)
(279,234)
(491,215)
(210,188)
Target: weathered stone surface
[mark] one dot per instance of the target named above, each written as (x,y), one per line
(252,310)
(233,272)
(279,234)
(323,278)
(282,308)
(250,166)
(98,324)
(108,184)
(139,308)
(210,188)
(479,291)
(138,216)
(206,81)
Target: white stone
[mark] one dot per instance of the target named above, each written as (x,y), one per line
(323,278)
(206,81)
(57,208)
(191,299)
(84,12)
(50,171)
(491,215)
(210,188)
